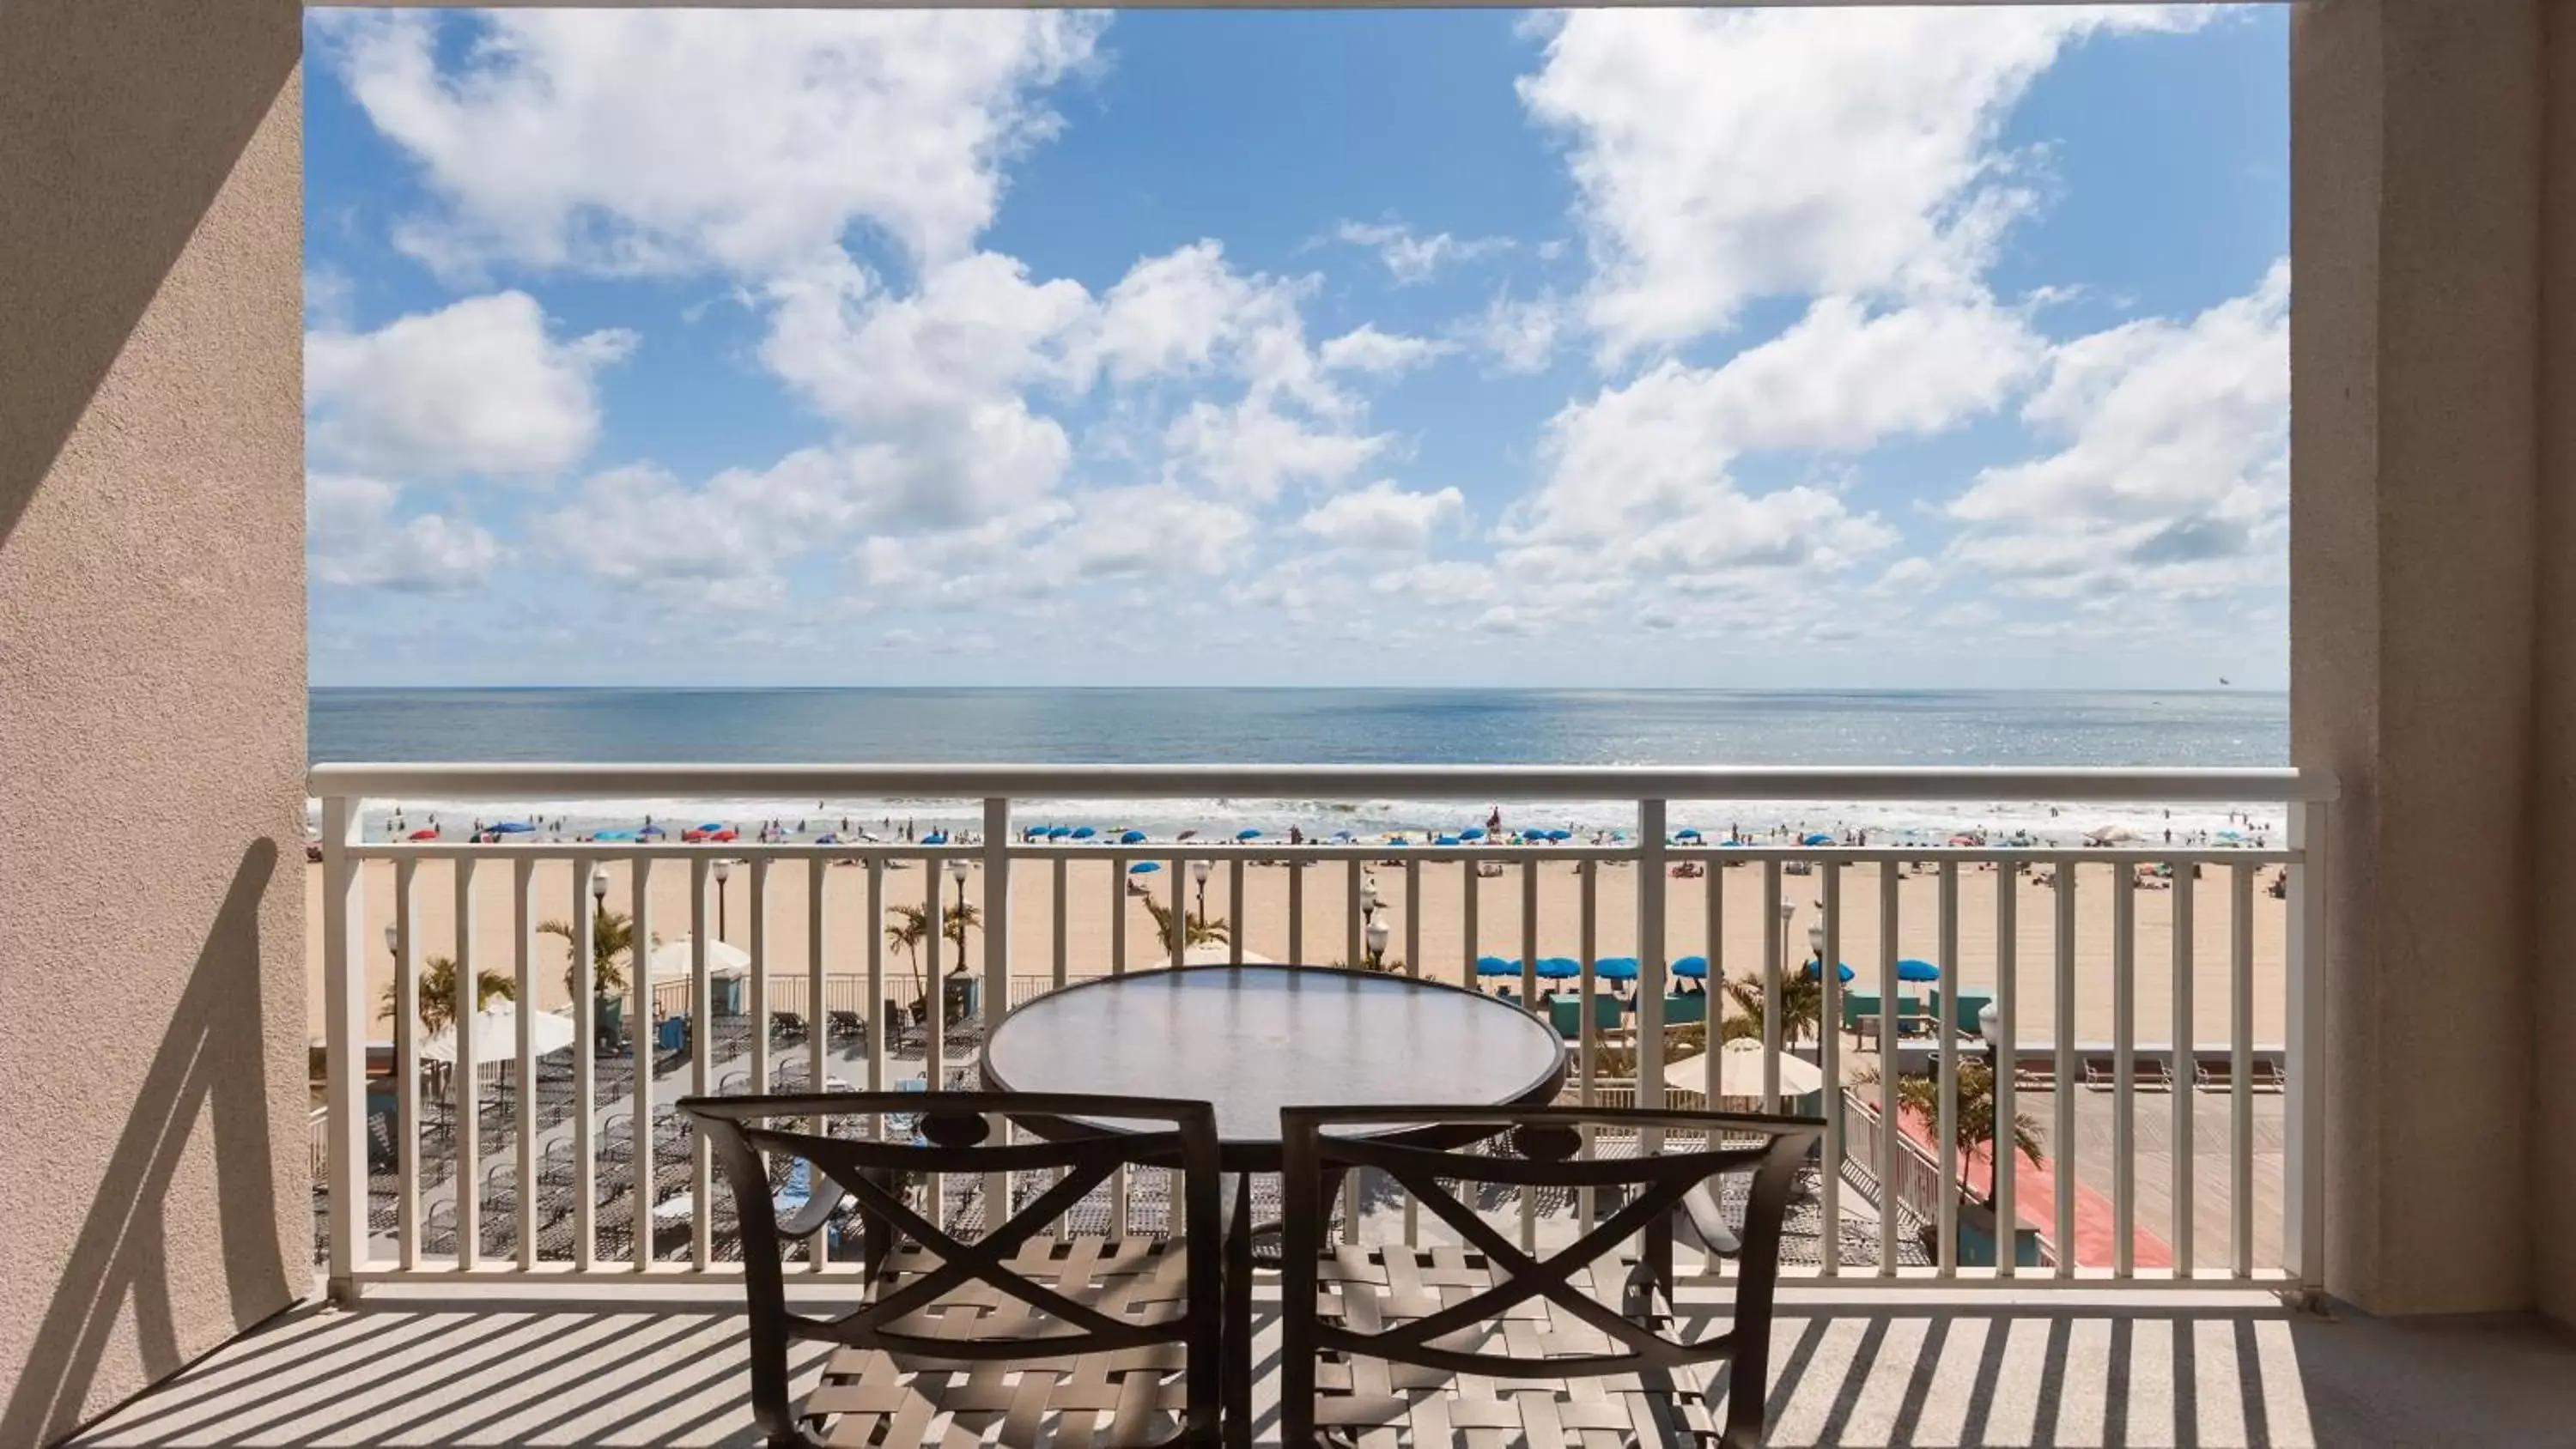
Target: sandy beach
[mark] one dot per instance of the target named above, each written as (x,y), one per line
(1095,903)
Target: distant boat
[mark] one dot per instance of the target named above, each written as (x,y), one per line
(2222,681)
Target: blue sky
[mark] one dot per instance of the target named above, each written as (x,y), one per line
(1768,348)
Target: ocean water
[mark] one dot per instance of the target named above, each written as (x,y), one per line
(1319,726)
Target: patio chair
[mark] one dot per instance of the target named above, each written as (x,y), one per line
(2151,1074)
(786,1026)
(2097,1073)
(2268,1075)
(1018,1333)
(1385,1344)
(844,1026)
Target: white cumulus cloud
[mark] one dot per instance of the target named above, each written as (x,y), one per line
(479,386)
(1383,516)
(1412,258)
(354,540)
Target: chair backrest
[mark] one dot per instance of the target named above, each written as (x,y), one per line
(854,1157)
(1543,1148)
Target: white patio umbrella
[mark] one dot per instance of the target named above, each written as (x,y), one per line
(1218,953)
(496,1035)
(1740,1072)
(674,959)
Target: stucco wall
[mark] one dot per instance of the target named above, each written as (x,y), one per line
(2415,251)
(151,693)
(2553,797)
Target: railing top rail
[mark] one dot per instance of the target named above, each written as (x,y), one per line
(1460,782)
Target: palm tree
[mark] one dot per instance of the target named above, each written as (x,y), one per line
(438,993)
(1197,930)
(1802,1008)
(612,935)
(1920,1098)
(910,927)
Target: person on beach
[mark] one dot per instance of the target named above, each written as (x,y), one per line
(1494,820)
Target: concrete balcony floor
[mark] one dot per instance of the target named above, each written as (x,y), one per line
(665,1366)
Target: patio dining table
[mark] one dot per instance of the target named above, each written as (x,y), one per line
(1252,1039)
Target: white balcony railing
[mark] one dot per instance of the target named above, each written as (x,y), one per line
(573,1165)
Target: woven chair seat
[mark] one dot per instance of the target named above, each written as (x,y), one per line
(1372,1402)
(1132,1397)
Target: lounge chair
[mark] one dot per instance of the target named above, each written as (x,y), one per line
(844,1025)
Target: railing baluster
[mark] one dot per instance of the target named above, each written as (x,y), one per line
(465,1088)
(880,1030)
(997,969)
(1177,868)
(1946,1025)
(1352,947)
(761,1079)
(346,1011)
(818,1027)
(2186,1065)
(1118,967)
(1829,1017)
(702,1041)
(1413,967)
(1469,935)
(1586,1035)
(1237,920)
(1775,930)
(2124,1034)
(1296,907)
(1063,939)
(1529,1002)
(2240,976)
(523,938)
(406,1029)
(1713,1015)
(1891,1062)
(2003,1155)
(641,1030)
(1650,961)
(934,1009)
(2062,1138)
(585,1062)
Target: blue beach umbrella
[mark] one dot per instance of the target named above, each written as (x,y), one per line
(1560,835)
(1693,836)
(1058,832)
(514,827)
(1444,840)
(1616,968)
(1131,837)
(828,837)
(1476,833)
(1247,835)
(1084,832)
(1695,967)
(1559,968)
(1913,970)
(614,835)
(710,825)
(1842,973)
(1145,867)
(1496,966)
(936,837)
(1819,838)
(649,832)
(1397,840)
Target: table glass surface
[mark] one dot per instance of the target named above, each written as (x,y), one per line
(1254,1039)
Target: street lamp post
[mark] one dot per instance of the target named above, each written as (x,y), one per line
(1375,934)
(957,873)
(1198,877)
(724,868)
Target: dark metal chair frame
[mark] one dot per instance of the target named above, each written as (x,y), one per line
(1657,1187)
(865,1171)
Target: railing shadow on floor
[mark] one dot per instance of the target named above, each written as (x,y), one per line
(653,1370)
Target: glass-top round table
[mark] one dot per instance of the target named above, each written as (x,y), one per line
(1253,1039)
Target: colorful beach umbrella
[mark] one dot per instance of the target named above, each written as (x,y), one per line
(1616,968)
(1695,967)
(1559,968)
(650,832)
(1913,970)
(1145,867)
(1496,966)
(1247,835)
(1844,973)
(603,835)
(433,835)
